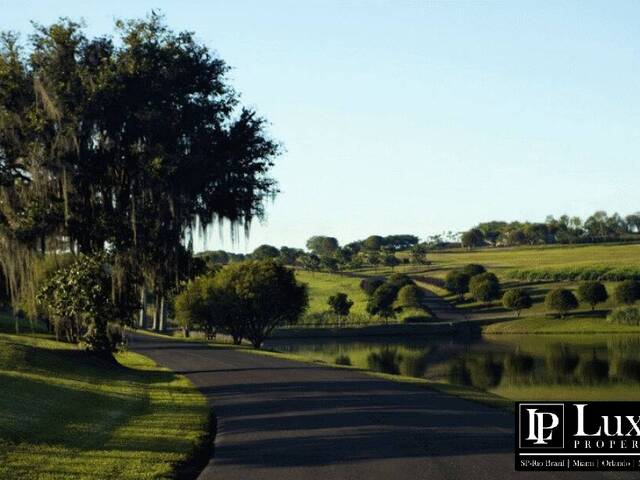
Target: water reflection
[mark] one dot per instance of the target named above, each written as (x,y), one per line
(519,367)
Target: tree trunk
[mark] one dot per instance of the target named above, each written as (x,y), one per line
(156,313)
(163,314)
(143,307)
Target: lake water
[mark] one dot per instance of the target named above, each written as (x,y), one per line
(520,367)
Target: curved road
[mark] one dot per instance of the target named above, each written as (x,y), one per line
(279,419)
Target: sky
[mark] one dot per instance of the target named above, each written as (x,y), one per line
(414,116)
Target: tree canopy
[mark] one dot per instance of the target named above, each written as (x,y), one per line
(128,144)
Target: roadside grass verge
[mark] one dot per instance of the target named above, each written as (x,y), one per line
(67,415)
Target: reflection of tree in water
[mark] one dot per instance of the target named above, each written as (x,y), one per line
(479,371)
(518,365)
(560,363)
(386,360)
(413,364)
(592,370)
(484,372)
(390,360)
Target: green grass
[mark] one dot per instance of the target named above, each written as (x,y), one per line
(67,415)
(323,285)
(548,324)
(501,260)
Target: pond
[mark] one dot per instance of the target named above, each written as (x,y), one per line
(519,367)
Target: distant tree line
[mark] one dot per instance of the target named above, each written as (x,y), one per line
(599,227)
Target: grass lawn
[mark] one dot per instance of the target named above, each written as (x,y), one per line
(501,259)
(66,415)
(323,285)
(548,324)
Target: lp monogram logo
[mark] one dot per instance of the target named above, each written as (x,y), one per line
(537,426)
(541,425)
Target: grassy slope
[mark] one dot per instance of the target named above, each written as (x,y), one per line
(66,415)
(502,261)
(323,285)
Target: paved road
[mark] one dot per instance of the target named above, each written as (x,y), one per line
(285,420)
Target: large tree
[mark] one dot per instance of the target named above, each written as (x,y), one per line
(130,144)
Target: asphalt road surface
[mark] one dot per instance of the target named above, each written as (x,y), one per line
(281,420)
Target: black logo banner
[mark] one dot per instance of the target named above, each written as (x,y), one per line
(577,436)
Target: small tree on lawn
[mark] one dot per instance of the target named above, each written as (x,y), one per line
(340,304)
(473,269)
(370,284)
(381,301)
(483,289)
(627,292)
(419,253)
(79,297)
(391,261)
(561,300)
(457,282)
(517,299)
(592,293)
(263,294)
(409,297)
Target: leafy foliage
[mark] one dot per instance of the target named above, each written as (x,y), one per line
(79,300)
(592,293)
(517,299)
(627,292)
(457,282)
(561,300)
(340,304)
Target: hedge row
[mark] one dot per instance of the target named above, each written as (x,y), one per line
(602,273)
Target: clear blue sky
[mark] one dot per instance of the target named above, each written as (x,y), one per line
(418,117)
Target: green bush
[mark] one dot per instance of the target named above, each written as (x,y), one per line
(484,288)
(370,284)
(627,292)
(517,299)
(409,296)
(629,315)
(457,282)
(473,269)
(592,292)
(576,273)
(561,300)
(340,304)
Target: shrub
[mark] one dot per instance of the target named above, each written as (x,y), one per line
(473,269)
(561,300)
(409,296)
(517,299)
(627,292)
(340,304)
(399,280)
(592,292)
(79,296)
(370,284)
(457,282)
(381,301)
(628,315)
(484,287)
